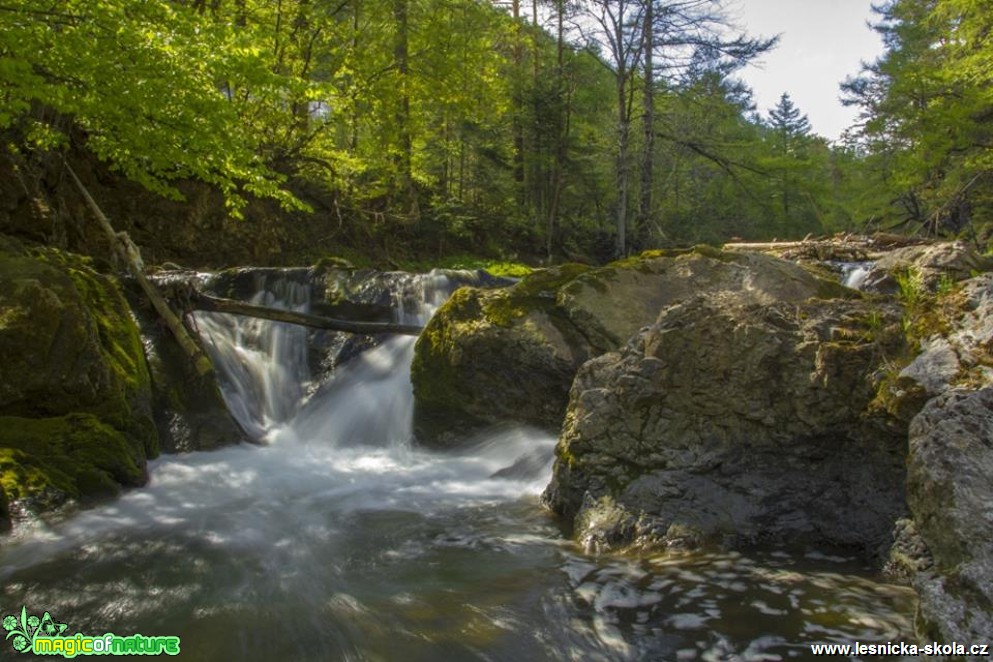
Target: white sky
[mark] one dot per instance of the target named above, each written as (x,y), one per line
(821,43)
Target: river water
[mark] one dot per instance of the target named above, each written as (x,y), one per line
(340,540)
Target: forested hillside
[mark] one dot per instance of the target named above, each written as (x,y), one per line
(426,128)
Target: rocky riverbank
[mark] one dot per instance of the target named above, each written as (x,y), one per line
(707,397)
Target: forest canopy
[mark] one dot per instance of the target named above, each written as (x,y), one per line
(561,129)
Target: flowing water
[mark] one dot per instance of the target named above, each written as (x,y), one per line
(339,540)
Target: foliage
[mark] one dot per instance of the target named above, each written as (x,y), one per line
(926,109)
(151,84)
(438,127)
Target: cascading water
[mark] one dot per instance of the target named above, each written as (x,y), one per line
(263,365)
(853,274)
(339,540)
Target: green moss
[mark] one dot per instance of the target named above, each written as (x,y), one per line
(433,376)
(503,268)
(75,455)
(714,253)
(704,250)
(535,291)
(127,405)
(636,261)
(508,269)
(547,281)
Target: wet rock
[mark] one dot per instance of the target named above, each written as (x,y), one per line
(730,422)
(511,353)
(190,413)
(949,492)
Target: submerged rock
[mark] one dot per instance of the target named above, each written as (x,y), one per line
(512,353)
(75,392)
(733,422)
(950,494)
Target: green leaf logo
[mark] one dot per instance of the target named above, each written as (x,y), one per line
(22,631)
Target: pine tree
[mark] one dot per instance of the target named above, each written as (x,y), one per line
(792,127)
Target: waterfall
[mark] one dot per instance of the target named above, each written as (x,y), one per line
(853,274)
(266,380)
(262,365)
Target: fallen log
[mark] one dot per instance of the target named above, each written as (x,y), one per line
(128,252)
(765,245)
(199,301)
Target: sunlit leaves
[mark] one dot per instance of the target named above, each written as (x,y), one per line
(145,81)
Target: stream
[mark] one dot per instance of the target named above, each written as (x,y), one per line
(338,539)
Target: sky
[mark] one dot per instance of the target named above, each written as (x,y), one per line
(821,43)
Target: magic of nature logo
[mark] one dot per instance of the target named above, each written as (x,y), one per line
(43,635)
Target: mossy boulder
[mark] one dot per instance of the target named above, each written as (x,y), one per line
(47,461)
(511,353)
(732,422)
(69,347)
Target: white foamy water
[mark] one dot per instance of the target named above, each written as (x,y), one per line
(340,539)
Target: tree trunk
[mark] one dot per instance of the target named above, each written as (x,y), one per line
(402,62)
(623,135)
(205,302)
(561,132)
(518,101)
(648,120)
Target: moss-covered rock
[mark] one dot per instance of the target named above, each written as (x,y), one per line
(47,461)
(492,355)
(511,354)
(69,352)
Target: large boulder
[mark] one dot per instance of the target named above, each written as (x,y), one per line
(728,422)
(950,494)
(75,393)
(512,353)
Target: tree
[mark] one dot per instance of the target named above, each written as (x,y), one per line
(680,35)
(617,27)
(144,82)
(791,127)
(791,131)
(926,112)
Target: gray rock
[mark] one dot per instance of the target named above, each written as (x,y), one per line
(470,359)
(733,423)
(951,497)
(930,263)
(935,368)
